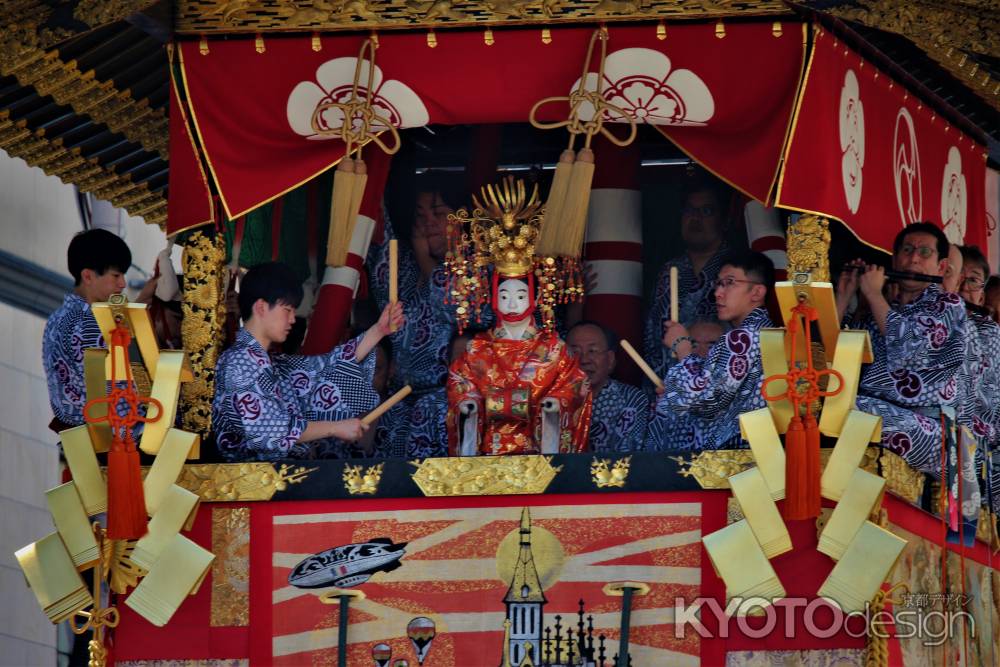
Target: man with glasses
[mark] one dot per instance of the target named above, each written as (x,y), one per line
(716,390)
(984,375)
(618,417)
(702,229)
(920,345)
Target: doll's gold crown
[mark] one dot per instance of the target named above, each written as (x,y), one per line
(504,226)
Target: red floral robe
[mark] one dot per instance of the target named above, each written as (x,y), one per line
(508,380)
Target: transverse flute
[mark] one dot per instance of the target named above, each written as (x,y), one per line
(894,275)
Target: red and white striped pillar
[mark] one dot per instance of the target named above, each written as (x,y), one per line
(767,235)
(613,248)
(340,283)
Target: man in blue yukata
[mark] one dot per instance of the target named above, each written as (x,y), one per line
(674,430)
(716,390)
(97,261)
(274,406)
(919,339)
(703,233)
(421,348)
(619,413)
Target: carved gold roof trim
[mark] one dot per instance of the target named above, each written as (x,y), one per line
(88,175)
(81,91)
(202,16)
(945,31)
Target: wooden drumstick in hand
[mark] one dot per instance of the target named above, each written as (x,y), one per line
(386,405)
(674,305)
(641,363)
(393,275)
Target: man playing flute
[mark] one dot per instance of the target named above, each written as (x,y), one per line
(919,340)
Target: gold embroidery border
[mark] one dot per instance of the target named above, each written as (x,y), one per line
(230,605)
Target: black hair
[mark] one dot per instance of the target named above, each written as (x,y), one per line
(273,282)
(610,337)
(923,228)
(992,282)
(98,250)
(974,256)
(446,186)
(756,265)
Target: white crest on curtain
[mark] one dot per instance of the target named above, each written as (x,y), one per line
(392,99)
(906,169)
(640,82)
(954,198)
(852,139)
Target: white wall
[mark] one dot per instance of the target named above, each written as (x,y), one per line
(38,217)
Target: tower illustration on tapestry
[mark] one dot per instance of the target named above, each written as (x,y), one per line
(527,641)
(524,601)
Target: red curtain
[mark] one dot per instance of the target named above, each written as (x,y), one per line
(867,152)
(725,99)
(189,203)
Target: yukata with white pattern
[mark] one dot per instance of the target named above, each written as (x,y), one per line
(669,430)
(697,302)
(918,369)
(70,330)
(263,403)
(715,391)
(985,380)
(420,349)
(618,418)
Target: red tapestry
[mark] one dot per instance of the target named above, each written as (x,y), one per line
(725,98)
(441,584)
(868,153)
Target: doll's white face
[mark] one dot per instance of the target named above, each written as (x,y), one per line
(512,296)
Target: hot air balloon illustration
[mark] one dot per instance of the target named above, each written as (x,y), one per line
(421,633)
(381,654)
(401,662)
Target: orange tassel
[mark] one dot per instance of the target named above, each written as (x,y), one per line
(796,467)
(126,502)
(813,502)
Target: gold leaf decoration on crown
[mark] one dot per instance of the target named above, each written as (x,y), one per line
(502,231)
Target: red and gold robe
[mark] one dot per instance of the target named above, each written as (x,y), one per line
(508,380)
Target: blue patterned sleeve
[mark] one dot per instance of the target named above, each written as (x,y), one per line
(654,352)
(933,338)
(271,423)
(378,263)
(706,388)
(634,421)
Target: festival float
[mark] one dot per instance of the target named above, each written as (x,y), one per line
(815,546)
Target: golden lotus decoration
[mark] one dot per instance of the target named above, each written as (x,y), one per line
(484,475)
(604,473)
(359,480)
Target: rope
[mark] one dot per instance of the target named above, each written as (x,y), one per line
(122,424)
(877,646)
(595,98)
(358,116)
(803,383)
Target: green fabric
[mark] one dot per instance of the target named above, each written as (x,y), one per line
(293,248)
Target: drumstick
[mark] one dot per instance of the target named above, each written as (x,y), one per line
(674,306)
(393,275)
(370,418)
(641,363)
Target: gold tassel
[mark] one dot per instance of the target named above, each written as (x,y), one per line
(340,210)
(360,181)
(552,226)
(577,203)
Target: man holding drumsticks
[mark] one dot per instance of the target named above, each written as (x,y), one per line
(716,390)
(271,407)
